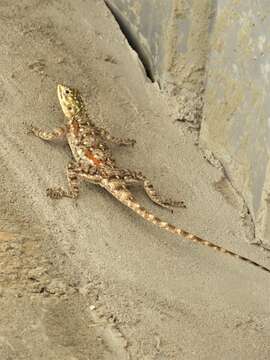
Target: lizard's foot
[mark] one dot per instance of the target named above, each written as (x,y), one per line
(170,204)
(127,142)
(57,193)
(32,130)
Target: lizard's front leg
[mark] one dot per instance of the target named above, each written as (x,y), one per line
(56,133)
(133,177)
(104,134)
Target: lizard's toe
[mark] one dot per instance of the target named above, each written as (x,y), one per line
(30,130)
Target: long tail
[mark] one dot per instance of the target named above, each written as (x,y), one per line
(126,198)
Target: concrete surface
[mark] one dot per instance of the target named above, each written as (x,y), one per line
(87,279)
(146,25)
(175,39)
(172,39)
(237,108)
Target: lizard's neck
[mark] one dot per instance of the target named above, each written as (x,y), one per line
(82,118)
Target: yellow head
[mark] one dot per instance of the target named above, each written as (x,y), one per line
(70,101)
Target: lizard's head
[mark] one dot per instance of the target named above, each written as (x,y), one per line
(70,101)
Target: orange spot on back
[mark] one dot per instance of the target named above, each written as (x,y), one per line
(89,154)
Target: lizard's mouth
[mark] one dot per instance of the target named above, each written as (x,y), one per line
(60,91)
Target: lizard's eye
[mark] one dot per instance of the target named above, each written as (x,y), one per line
(69,108)
(67,92)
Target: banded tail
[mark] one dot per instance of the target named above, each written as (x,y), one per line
(126,198)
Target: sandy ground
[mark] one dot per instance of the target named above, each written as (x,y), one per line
(88,279)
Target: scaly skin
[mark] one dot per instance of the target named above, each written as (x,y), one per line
(94,163)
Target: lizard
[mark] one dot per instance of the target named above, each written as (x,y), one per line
(94,163)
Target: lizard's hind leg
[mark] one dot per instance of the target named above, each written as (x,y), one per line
(73,184)
(132,177)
